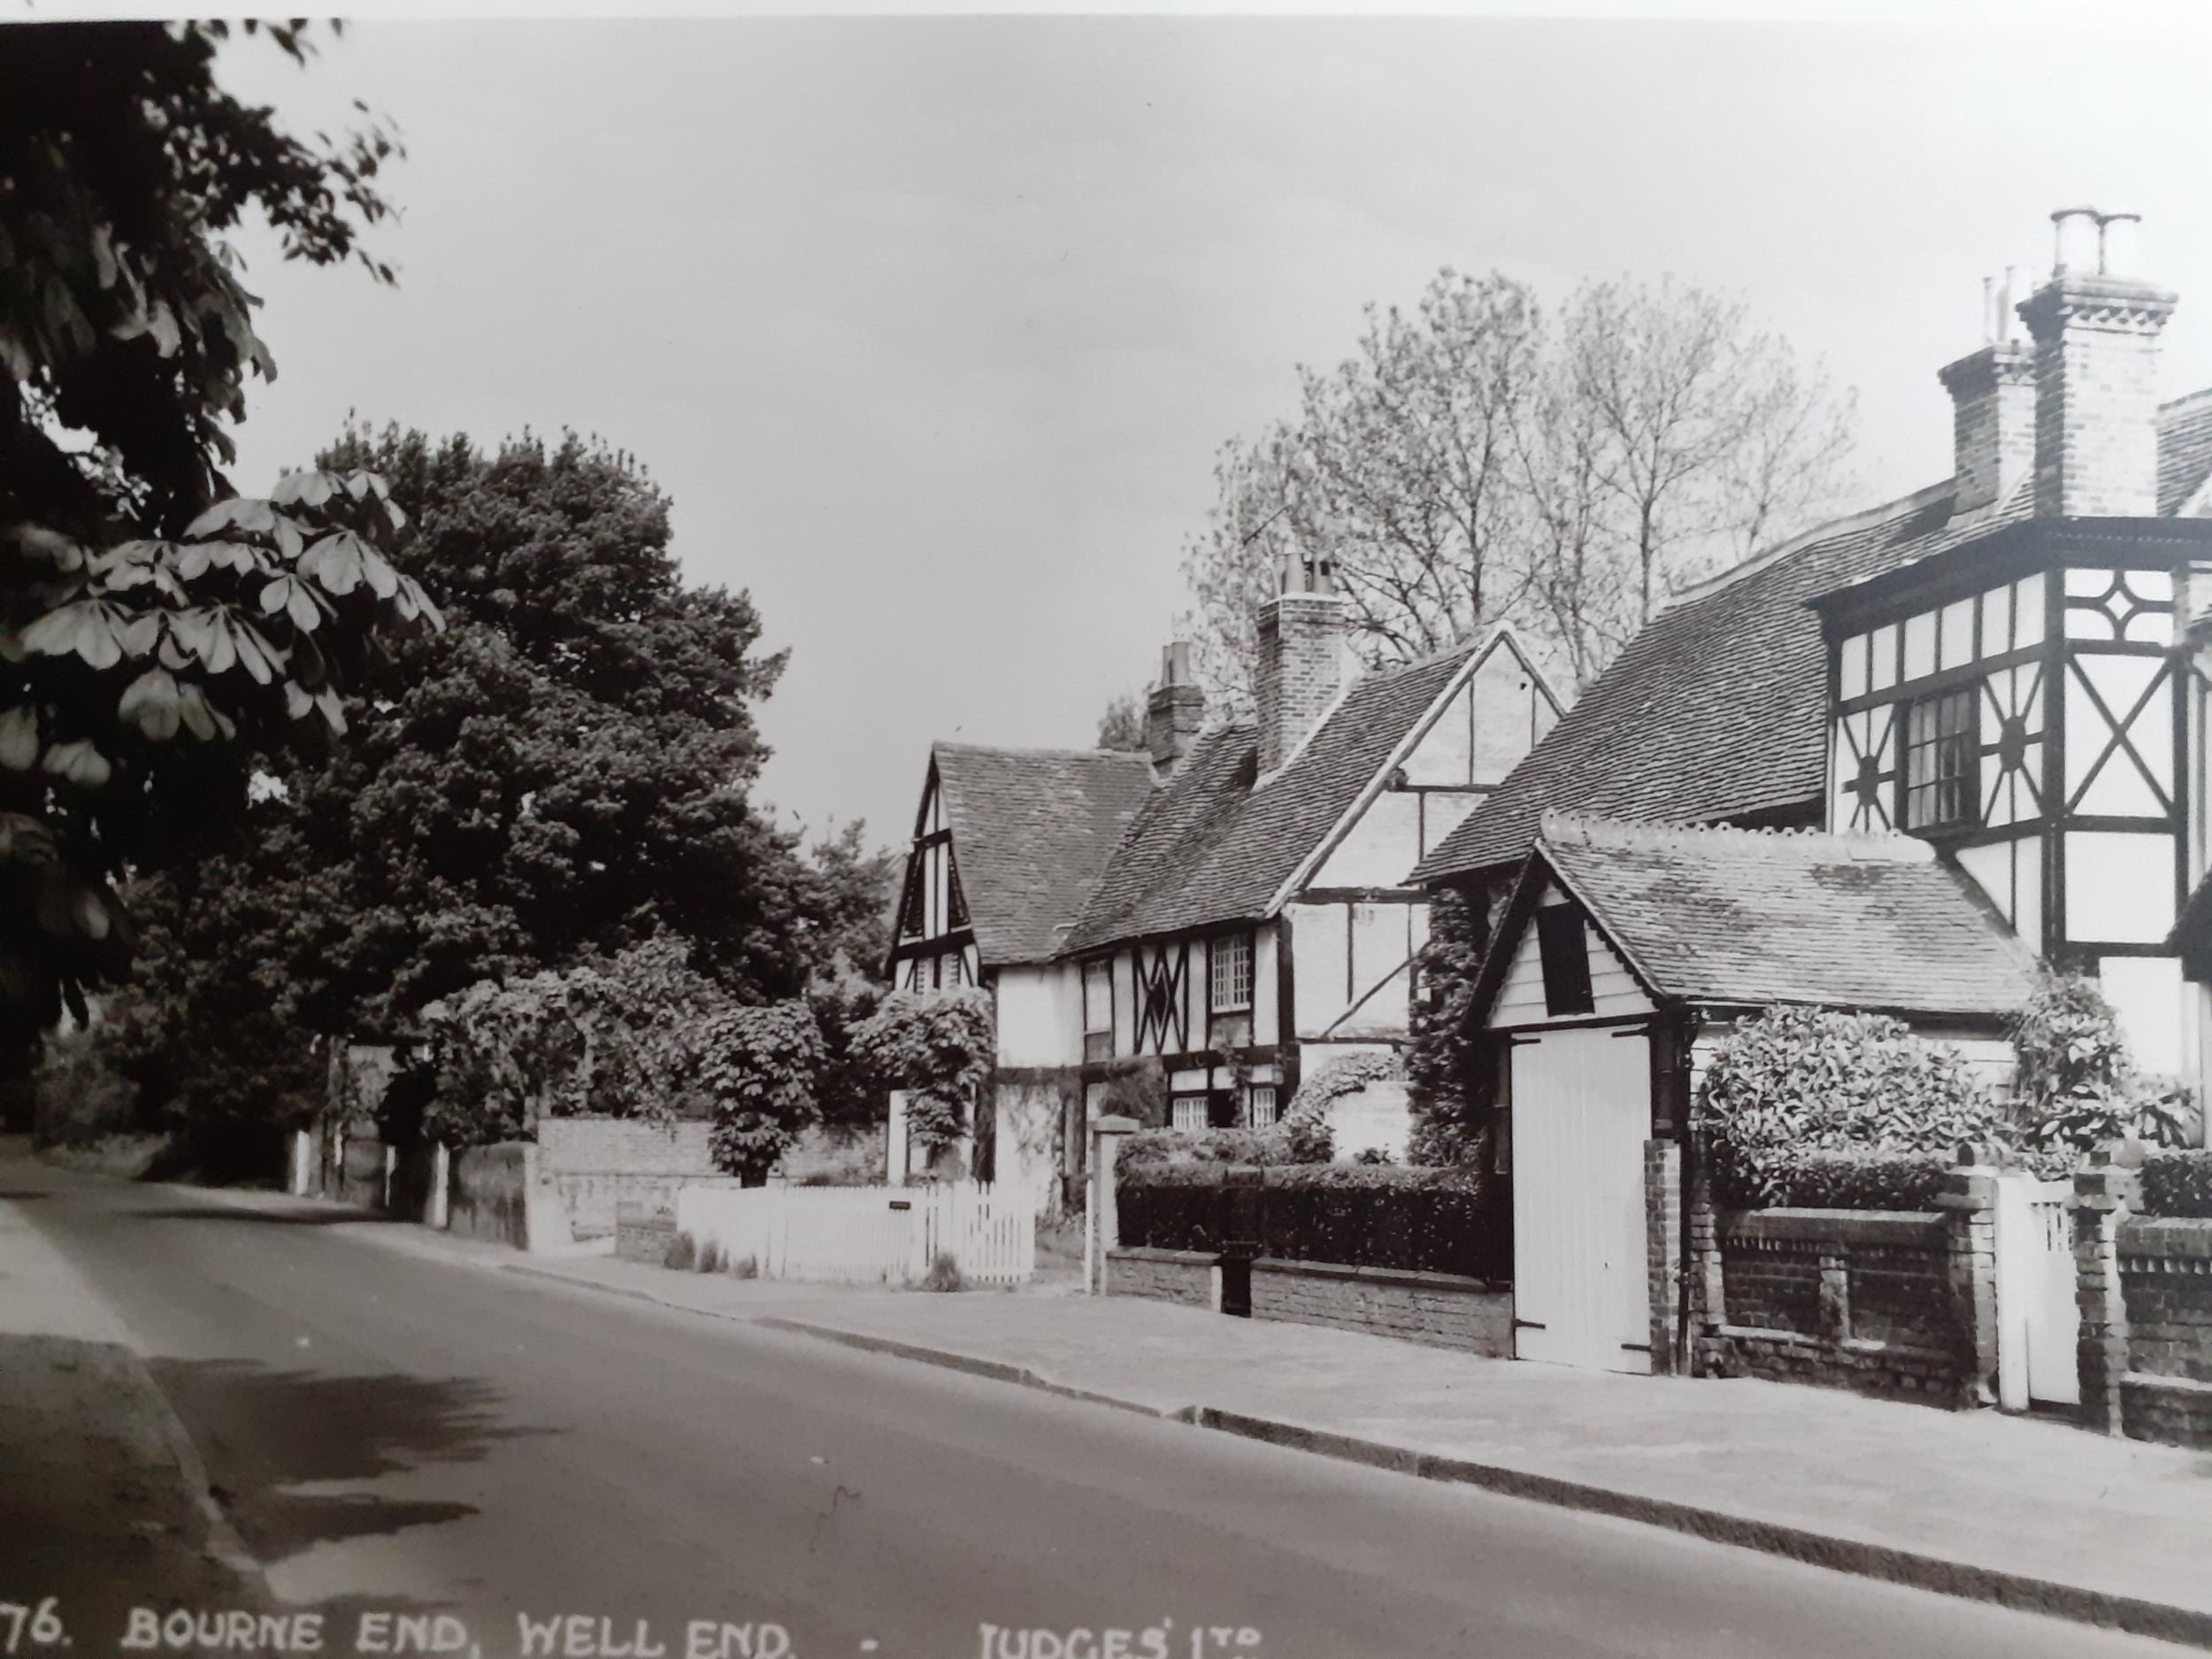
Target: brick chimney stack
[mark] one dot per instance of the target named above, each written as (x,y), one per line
(1302,659)
(1174,711)
(1992,407)
(2096,327)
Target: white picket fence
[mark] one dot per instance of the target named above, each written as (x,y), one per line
(864,1235)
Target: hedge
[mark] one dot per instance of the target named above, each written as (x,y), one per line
(1814,1178)
(1250,1147)
(1384,1215)
(2179,1183)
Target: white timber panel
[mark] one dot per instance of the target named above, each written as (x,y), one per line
(1581,1113)
(1443,814)
(2146,993)
(1614,992)
(1382,943)
(1511,716)
(1379,846)
(1319,941)
(1446,753)
(1266,999)
(1039,1015)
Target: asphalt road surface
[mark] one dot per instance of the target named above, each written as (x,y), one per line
(391,1433)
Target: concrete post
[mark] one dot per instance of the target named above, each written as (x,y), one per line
(2104,1194)
(1102,1227)
(1969,1203)
(436,1213)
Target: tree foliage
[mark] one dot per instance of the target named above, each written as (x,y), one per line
(936,1046)
(759,1067)
(149,643)
(2078,1087)
(1122,725)
(1474,461)
(1447,1103)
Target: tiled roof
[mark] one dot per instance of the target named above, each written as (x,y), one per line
(1756,917)
(1718,710)
(1032,828)
(1211,848)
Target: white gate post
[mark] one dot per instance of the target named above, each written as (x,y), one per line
(2012,1243)
(1101,1226)
(895,1140)
(391,1161)
(441,1183)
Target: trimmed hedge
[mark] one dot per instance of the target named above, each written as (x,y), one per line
(1813,1178)
(2179,1183)
(1254,1147)
(1384,1216)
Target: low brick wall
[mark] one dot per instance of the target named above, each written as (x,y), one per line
(1184,1276)
(1854,1299)
(1435,1310)
(599,1163)
(2165,1273)
(642,1234)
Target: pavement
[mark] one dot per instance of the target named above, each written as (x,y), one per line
(396,1418)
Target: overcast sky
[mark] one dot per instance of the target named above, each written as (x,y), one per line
(930,328)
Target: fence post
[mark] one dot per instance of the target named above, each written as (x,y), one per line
(391,1164)
(2104,1193)
(1102,1228)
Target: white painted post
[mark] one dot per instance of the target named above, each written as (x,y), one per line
(895,1140)
(391,1163)
(295,1173)
(1102,1227)
(440,1184)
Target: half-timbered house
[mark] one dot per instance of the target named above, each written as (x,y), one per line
(1258,918)
(2004,664)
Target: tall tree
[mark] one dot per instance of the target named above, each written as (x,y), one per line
(149,644)
(1474,462)
(1122,725)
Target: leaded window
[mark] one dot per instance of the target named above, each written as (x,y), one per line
(1942,755)
(1231,973)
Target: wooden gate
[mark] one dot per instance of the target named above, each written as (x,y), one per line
(1581,1113)
(2039,1320)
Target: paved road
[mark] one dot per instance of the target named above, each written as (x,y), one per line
(391,1432)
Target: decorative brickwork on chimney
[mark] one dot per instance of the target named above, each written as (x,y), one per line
(1993,421)
(2096,377)
(1174,711)
(1302,668)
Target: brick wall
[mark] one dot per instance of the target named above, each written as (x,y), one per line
(1663,1249)
(2165,1277)
(598,1145)
(643,1235)
(1184,1276)
(2096,374)
(1864,1300)
(1435,1310)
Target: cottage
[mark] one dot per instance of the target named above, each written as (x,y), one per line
(1183,959)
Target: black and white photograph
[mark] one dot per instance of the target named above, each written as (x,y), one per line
(1160,831)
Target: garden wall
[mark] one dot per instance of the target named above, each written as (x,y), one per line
(598,1163)
(1184,1276)
(1435,1310)
(2165,1273)
(1863,1299)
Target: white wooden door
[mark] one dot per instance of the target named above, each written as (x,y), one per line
(1581,1114)
(2039,1320)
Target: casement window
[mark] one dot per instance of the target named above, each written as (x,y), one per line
(918,974)
(1566,959)
(1098,1011)
(910,913)
(1190,1111)
(1942,755)
(1231,974)
(956,900)
(1260,1110)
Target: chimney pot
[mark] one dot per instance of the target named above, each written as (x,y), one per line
(2074,242)
(2119,244)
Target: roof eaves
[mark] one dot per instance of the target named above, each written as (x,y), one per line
(1576,892)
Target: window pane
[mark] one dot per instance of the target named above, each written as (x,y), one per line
(1190,1113)
(1232,972)
(1942,761)
(1262,1110)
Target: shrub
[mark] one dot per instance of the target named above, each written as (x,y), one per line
(710,1259)
(2077,1087)
(745,1267)
(1792,1080)
(1384,1216)
(758,1065)
(1815,1179)
(683,1252)
(944,1274)
(2179,1183)
(1448,1102)
(938,1048)
(1255,1147)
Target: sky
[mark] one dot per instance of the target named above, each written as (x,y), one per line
(930,328)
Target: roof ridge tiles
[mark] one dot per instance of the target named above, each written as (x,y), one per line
(1790,846)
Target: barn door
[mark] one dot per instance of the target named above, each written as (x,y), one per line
(1581,1113)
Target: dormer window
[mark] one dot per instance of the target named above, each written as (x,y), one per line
(1943,756)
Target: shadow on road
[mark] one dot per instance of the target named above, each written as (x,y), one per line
(305,1216)
(266,1434)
